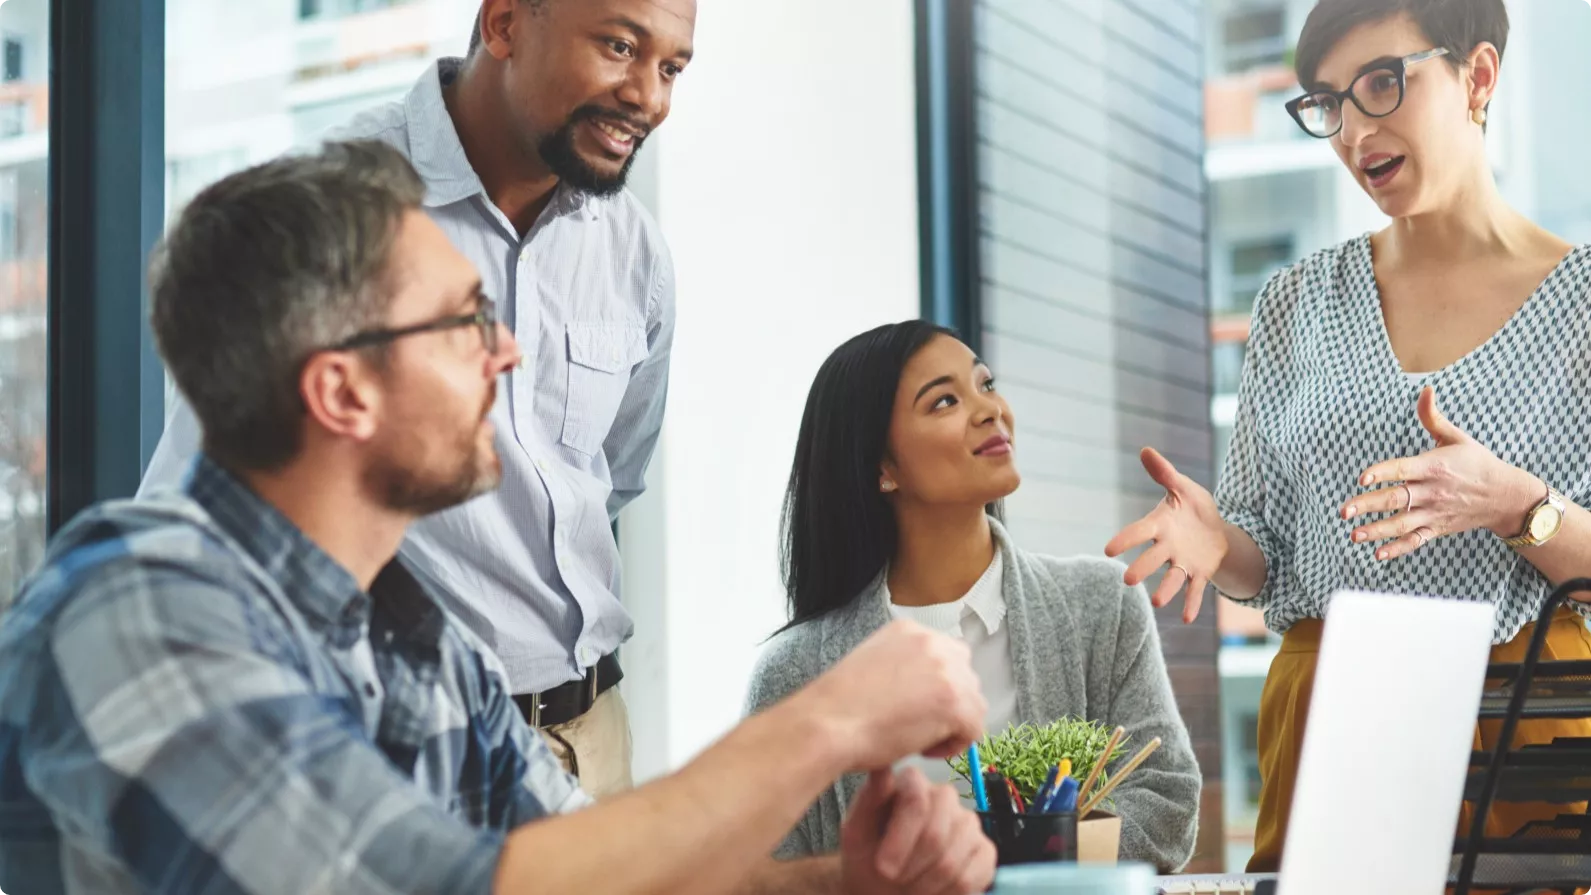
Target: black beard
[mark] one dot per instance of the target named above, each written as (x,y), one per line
(557,149)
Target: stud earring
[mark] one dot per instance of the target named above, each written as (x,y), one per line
(887,487)
(1478,116)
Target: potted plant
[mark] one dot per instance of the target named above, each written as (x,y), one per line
(1024,754)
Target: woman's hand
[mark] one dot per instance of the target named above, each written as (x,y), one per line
(1185,530)
(1459,486)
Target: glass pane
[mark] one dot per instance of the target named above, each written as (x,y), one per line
(1253,263)
(1254,38)
(1227,367)
(24,226)
(248,81)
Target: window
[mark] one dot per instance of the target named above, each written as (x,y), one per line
(1254,38)
(312,9)
(23,310)
(13,60)
(1227,360)
(1252,264)
(185,177)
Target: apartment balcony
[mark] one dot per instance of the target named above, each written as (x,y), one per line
(24,122)
(24,290)
(364,52)
(1248,132)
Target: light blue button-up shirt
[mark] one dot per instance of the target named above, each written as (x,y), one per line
(532,568)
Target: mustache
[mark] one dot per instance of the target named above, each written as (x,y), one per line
(641,129)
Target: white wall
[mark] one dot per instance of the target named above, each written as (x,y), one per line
(786,184)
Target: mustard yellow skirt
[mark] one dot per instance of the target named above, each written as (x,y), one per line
(1284,705)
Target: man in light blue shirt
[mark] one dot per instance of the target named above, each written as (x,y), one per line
(523,148)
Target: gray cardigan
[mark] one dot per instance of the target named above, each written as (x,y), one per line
(1082,644)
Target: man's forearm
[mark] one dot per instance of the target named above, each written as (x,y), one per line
(707,829)
(803,876)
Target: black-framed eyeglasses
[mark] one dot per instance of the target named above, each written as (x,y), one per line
(485,318)
(1377,92)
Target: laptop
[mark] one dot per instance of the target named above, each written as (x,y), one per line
(1386,750)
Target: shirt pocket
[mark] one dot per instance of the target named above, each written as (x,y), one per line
(601,356)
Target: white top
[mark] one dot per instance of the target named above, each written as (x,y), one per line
(977,618)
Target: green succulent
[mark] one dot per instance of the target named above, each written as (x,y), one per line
(1026,752)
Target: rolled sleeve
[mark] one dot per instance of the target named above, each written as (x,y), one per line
(1243,490)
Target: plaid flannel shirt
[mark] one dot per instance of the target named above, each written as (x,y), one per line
(195,698)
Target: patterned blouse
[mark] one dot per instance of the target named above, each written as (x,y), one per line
(1323,398)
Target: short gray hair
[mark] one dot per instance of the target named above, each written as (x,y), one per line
(266,267)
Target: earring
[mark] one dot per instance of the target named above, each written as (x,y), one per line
(887,487)
(1478,116)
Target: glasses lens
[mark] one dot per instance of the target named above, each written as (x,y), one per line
(1320,114)
(489,326)
(1379,91)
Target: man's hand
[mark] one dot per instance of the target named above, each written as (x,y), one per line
(905,836)
(905,691)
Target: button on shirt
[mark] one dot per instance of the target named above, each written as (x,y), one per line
(532,568)
(197,698)
(979,619)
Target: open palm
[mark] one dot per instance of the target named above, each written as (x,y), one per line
(1184,530)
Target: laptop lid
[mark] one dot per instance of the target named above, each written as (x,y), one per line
(1387,746)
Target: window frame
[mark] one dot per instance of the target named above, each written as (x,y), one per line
(107,201)
(947,168)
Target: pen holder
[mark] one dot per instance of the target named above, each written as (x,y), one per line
(1031,838)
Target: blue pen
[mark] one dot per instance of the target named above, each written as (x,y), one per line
(975,771)
(1042,797)
(1065,798)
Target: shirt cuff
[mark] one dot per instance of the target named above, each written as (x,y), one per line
(1256,528)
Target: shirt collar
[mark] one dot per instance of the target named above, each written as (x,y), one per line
(319,586)
(438,155)
(985,600)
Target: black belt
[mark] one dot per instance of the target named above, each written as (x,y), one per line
(566,702)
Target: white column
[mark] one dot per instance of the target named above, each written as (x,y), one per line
(786,184)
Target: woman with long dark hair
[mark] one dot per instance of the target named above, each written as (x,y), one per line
(904,454)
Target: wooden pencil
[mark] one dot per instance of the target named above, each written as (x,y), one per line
(1119,776)
(1093,776)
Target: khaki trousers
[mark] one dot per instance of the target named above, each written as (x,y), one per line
(596,747)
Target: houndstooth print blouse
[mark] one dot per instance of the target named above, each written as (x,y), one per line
(1323,398)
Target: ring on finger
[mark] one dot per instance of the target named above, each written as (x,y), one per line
(1186,575)
(1408,499)
(1424,538)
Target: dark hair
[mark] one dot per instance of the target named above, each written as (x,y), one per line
(475,35)
(262,269)
(1459,26)
(837,529)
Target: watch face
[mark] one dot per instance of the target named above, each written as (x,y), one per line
(1545,522)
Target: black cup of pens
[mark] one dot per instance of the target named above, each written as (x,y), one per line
(1031,838)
